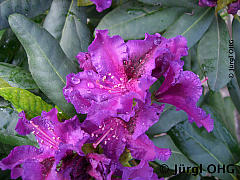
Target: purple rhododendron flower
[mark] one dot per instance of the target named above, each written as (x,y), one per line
(114,73)
(179,88)
(234,7)
(114,134)
(59,156)
(210,3)
(102,4)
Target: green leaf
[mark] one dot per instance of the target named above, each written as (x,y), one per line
(236,39)
(49,66)
(67,23)
(30,8)
(17,77)
(23,100)
(8,135)
(3,83)
(191,63)
(183,176)
(169,118)
(191,26)
(217,147)
(84,2)
(213,54)
(234,91)
(172,3)
(177,156)
(223,108)
(229,115)
(132,20)
(1,33)
(9,46)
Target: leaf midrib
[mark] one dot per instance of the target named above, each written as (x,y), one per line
(195,22)
(205,148)
(218,53)
(41,51)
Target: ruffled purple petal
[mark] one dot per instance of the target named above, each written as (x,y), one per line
(140,172)
(145,116)
(85,62)
(32,170)
(16,172)
(102,4)
(143,149)
(234,7)
(100,166)
(168,52)
(142,55)
(23,127)
(107,54)
(210,3)
(184,94)
(72,134)
(18,156)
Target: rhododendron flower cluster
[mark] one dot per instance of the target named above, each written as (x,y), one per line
(113,90)
(232,8)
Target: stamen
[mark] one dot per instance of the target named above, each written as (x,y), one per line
(101,139)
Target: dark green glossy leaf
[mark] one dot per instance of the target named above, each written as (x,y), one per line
(191,26)
(172,3)
(67,23)
(132,20)
(191,63)
(217,147)
(9,46)
(236,39)
(177,156)
(49,66)
(223,109)
(1,33)
(234,91)
(169,118)
(30,8)
(213,54)
(185,177)
(17,77)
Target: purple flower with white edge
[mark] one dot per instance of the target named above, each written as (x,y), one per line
(114,134)
(59,155)
(114,73)
(179,88)
(102,4)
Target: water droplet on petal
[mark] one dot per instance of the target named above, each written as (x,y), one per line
(90,85)
(75,80)
(124,140)
(157,41)
(89,73)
